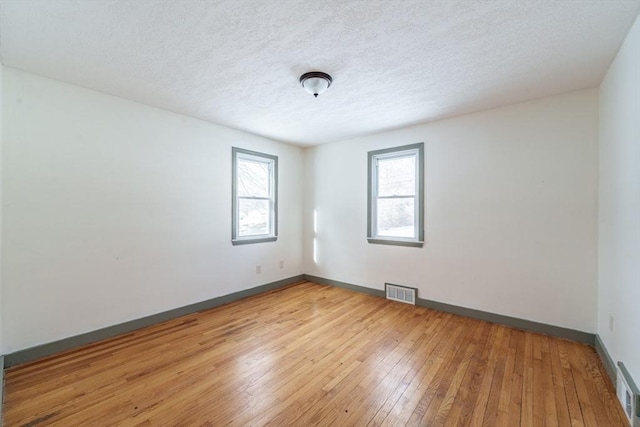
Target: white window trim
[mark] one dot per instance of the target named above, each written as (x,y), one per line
(272,161)
(416,150)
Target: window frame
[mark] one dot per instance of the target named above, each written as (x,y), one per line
(240,153)
(416,150)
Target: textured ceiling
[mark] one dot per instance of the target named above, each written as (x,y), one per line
(394,63)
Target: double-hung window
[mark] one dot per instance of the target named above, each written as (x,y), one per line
(396,207)
(255,197)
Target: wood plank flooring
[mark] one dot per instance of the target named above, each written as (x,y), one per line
(317,355)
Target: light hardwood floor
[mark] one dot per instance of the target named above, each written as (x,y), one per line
(317,355)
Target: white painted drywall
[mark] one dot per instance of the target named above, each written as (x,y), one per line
(1,185)
(510,204)
(114,210)
(619,206)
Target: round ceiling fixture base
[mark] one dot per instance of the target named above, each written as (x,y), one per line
(315,82)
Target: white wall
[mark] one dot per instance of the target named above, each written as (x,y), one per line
(114,210)
(1,94)
(619,207)
(510,215)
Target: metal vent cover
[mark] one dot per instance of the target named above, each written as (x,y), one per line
(628,395)
(400,293)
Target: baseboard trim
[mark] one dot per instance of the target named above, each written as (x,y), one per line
(514,322)
(344,285)
(606,359)
(40,351)
(44,350)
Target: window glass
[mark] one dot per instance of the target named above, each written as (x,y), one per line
(254,217)
(253,178)
(396,217)
(397,176)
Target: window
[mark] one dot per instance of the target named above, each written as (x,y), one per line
(396,208)
(255,197)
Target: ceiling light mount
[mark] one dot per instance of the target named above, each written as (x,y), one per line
(315,82)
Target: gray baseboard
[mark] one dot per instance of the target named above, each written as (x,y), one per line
(607,361)
(33,353)
(344,285)
(514,322)
(48,349)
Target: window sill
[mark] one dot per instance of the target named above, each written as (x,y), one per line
(254,240)
(409,243)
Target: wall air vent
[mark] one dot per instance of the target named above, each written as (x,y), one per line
(628,395)
(401,293)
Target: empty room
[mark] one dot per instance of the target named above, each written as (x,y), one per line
(338,213)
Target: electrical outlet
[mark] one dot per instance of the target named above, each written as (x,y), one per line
(281,263)
(258,269)
(612,324)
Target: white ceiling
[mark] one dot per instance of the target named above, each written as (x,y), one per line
(394,63)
